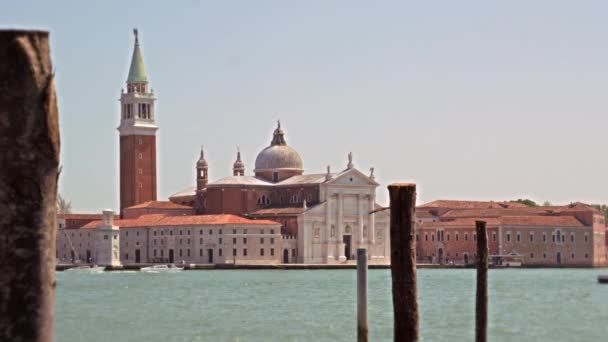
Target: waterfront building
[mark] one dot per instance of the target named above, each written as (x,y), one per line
(278,214)
(570,235)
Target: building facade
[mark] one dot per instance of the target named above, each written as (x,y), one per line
(570,235)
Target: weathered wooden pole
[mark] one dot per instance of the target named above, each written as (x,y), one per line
(481,300)
(29,161)
(362,327)
(403,261)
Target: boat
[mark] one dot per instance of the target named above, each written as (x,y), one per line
(602,279)
(161,268)
(86,269)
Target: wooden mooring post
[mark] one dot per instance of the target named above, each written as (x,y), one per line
(29,161)
(362,326)
(403,262)
(481,300)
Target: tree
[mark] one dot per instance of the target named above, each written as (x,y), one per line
(603,208)
(526,201)
(547,204)
(63,206)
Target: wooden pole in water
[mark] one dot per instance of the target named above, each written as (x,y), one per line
(481,303)
(362,327)
(29,161)
(403,261)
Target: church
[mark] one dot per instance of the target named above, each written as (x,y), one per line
(306,218)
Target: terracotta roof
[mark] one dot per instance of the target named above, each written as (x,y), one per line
(469,222)
(454,204)
(160,220)
(159,205)
(549,221)
(279,211)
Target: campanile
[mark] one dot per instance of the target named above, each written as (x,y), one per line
(137,133)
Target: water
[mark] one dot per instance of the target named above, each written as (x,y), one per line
(319,305)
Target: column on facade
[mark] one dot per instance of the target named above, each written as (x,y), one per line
(339,228)
(372,219)
(360,210)
(326,237)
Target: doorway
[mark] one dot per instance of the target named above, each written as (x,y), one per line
(466,259)
(286,256)
(347,247)
(210,256)
(559,258)
(171,256)
(440,256)
(137,256)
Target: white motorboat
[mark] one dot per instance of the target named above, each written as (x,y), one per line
(87,269)
(161,268)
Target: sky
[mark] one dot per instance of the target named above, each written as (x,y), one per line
(483,100)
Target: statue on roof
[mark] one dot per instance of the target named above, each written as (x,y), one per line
(350,160)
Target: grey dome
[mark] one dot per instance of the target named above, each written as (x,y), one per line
(278,156)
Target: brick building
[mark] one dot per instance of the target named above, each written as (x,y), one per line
(571,235)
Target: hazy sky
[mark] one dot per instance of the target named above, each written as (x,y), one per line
(469,99)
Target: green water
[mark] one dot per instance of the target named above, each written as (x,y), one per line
(319,305)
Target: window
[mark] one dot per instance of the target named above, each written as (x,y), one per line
(187,252)
(244,231)
(105,237)
(261,251)
(586,237)
(154,233)
(180,252)
(210,231)
(494,237)
(272,252)
(245,252)
(201,232)
(563,237)
(162,252)
(219,233)
(234,241)
(531,237)
(508,236)
(272,241)
(448,237)
(245,241)
(272,231)
(572,237)
(234,252)
(456,236)
(544,255)
(234,231)
(586,255)
(531,255)
(155,253)
(180,232)
(220,240)
(466,236)
(200,252)
(220,252)
(572,255)
(553,237)
(426,237)
(518,236)
(127,256)
(171,232)
(432,237)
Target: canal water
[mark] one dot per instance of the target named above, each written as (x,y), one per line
(319,305)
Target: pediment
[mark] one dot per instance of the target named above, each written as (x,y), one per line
(352,177)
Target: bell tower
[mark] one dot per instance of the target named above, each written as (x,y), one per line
(137,133)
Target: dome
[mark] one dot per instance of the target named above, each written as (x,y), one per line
(278,156)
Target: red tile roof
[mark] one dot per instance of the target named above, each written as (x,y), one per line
(548,221)
(160,220)
(159,205)
(455,204)
(468,222)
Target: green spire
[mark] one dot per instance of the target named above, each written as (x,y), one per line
(137,72)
